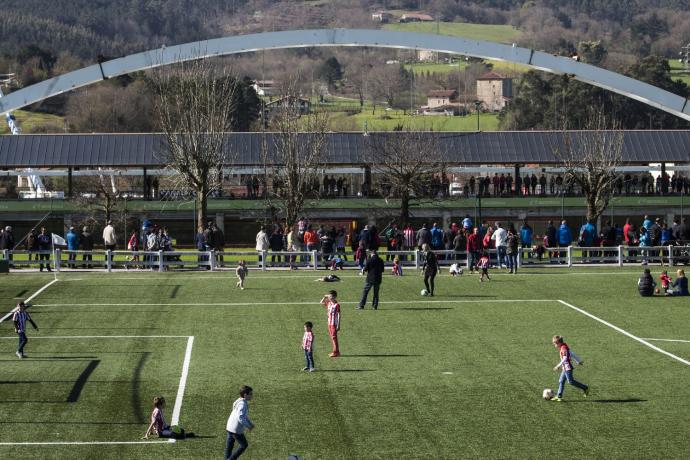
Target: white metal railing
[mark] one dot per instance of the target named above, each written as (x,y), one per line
(569,256)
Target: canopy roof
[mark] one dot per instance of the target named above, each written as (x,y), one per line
(148,150)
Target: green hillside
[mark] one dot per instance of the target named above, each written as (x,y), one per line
(32,122)
(488,32)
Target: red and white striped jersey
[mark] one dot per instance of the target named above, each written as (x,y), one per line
(333,313)
(408,237)
(483,262)
(307,340)
(565,357)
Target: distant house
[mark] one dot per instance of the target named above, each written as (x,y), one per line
(300,103)
(415,17)
(381,16)
(264,87)
(494,90)
(426,55)
(440,98)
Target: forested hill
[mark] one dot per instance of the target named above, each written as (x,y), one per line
(85,28)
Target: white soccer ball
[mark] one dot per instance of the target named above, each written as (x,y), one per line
(424,292)
(547,394)
(460,271)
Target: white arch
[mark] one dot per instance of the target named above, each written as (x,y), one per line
(629,87)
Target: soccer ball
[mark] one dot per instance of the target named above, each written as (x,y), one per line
(460,271)
(547,394)
(424,293)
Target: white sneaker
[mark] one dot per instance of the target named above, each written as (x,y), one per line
(19,355)
(312,369)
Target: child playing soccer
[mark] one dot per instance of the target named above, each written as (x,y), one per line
(158,425)
(665,281)
(361,257)
(308,346)
(397,267)
(333,308)
(455,270)
(566,367)
(241,272)
(483,264)
(328,279)
(237,423)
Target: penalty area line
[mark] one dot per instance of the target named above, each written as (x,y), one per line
(34,295)
(306,302)
(183,382)
(667,340)
(624,332)
(84,443)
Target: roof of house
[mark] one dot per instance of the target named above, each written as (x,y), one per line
(501,147)
(442,93)
(492,76)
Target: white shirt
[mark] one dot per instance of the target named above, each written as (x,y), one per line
(239,419)
(500,236)
(262,241)
(109,235)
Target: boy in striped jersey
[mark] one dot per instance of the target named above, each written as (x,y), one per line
(20,317)
(333,308)
(566,367)
(308,346)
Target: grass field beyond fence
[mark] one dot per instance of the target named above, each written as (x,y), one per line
(457,375)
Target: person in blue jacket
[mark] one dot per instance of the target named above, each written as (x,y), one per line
(72,238)
(564,237)
(587,233)
(526,233)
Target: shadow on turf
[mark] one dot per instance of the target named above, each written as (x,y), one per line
(100,312)
(383,355)
(346,370)
(53,358)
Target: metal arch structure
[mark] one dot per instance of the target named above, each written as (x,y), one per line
(612,81)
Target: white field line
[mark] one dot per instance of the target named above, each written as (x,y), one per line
(38,337)
(307,273)
(306,302)
(183,382)
(667,340)
(82,443)
(34,295)
(624,332)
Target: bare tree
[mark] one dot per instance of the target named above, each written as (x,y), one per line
(590,158)
(408,164)
(102,198)
(293,155)
(195,106)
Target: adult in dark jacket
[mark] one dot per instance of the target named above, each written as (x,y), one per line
(7,240)
(646,284)
(680,285)
(44,244)
(86,242)
(374,270)
(430,269)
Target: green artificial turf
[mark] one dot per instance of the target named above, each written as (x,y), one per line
(459,375)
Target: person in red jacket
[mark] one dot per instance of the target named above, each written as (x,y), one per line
(474,246)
